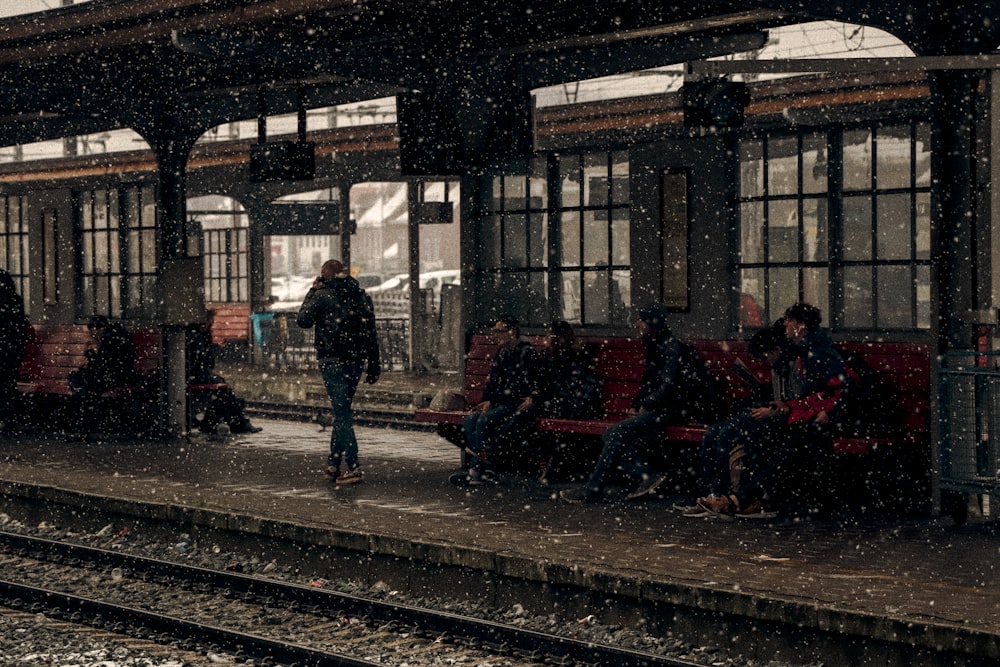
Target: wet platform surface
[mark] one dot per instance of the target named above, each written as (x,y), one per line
(920,571)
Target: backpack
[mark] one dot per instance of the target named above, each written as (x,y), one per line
(352,330)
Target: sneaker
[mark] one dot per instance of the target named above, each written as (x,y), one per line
(351,477)
(578,494)
(332,472)
(648,487)
(718,504)
(472,477)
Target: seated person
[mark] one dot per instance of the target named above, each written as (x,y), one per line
(223,408)
(507,397)
(568,387)
(676,387)
(820,382)
(724,468)
(110,363)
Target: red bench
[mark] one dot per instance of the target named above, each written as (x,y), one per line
(56,350)
(901,368)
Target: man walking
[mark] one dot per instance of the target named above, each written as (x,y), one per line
(345,338)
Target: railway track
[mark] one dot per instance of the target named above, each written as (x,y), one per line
(265,620)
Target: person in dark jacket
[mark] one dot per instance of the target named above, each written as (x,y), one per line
(14,328)
(506,402)
(346,346)
(221,409)
(676,387)
(110,363)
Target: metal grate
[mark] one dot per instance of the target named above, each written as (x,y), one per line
(970,420)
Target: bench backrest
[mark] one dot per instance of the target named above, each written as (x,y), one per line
(903,369)
(56,350)
(230,323)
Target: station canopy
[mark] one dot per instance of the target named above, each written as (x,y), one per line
(154,64)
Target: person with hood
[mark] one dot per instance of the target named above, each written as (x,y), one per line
(346,346)
(676,388)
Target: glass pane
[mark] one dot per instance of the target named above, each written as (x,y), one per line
(622,282)
(751,169)
(100,209)
(857,231)
(857,160)
(620,243)
(857,297)
(895,297)
(752,304)
(515,193)
(783,166)
(538,185)
(783,231)
(783,290)
(893,226)
(619,178)
(892,168)
(569,239)
(497,192)
(923,215)
(922,166)
(923,297)
(596,246)
(570,296)
(602,299)
(515,241)
(814,231)
(539,240)
(814,163)
(538,301)
(569,179)
(816,289)
(595,180)
(490,242)
(752,232)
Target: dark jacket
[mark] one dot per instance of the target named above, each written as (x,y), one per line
(568,385)
(512,375)
(111,365)
(14,329)
(675,384)
(344,318)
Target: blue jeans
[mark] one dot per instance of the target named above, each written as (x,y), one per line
(341,379)
(756,436)
(620,451)
(481,429)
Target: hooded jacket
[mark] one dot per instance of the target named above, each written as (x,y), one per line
(344,318)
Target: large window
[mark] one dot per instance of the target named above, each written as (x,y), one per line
(564,256)
(840,220)
(117,252)
(225,247)
(14,244)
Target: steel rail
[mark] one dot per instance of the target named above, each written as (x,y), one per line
(151,626)
(492,634)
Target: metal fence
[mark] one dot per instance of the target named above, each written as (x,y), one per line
(969,387)
(280,343)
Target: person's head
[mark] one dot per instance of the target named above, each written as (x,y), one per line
(97,324)
(768,344)
(652,319)
(560,335)
(800,320)
(331,268)
(507,330)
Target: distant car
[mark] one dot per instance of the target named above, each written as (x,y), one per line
(369,280)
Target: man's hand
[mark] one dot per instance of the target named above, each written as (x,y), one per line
(481,407)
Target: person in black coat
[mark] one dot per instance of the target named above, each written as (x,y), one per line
(676,387)
(14,329)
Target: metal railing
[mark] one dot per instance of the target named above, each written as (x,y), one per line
(280,343)
(969,387)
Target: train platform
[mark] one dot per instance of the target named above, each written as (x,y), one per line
(923,580)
